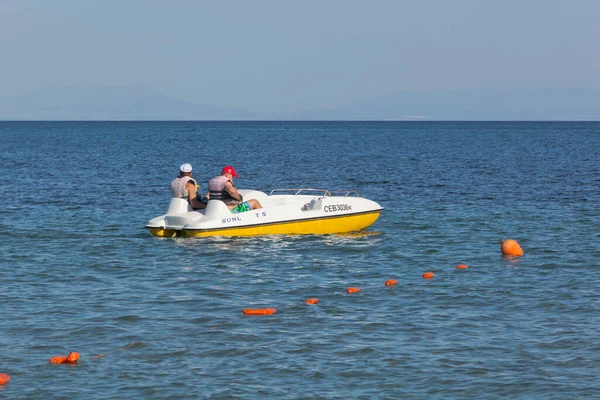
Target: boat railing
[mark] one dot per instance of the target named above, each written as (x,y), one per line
(343,193)
(322,192)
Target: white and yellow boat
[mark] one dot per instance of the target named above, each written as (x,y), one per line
(285,211)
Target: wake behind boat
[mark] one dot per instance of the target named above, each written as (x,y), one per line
(284,211)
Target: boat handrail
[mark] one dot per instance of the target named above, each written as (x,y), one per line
(346,193)
(323,192)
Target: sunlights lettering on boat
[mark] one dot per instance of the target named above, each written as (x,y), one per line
(285,211)
(231,219)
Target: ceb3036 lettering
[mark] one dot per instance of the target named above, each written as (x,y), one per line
(338,207)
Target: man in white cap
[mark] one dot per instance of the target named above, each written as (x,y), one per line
(184,187)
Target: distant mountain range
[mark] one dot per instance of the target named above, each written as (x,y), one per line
(110,103)
(134,103)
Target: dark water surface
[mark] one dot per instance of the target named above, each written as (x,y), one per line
(80,273)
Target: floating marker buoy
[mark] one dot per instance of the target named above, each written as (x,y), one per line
(312,301)
(72,358)
(428,275)
(391,282)
(462,266)
(4,378)
(353,290)
(58,360)
(259,311)
(510,248)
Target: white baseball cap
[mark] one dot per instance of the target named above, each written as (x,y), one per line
(185,168)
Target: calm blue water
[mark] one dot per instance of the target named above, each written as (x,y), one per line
(80,273)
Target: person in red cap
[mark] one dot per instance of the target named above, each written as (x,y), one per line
(222,188)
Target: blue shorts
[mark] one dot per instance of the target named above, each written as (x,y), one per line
(240,208)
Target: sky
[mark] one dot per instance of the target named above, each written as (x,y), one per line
(297,55)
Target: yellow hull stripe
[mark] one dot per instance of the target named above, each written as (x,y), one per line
(317,226)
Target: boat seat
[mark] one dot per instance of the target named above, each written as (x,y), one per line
(178,206)
(215,209)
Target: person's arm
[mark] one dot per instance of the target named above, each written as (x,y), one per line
(190,186)
(196,204)
(233,191)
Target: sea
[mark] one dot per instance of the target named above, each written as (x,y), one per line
(161,318)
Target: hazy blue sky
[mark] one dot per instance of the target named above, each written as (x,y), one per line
(268,55)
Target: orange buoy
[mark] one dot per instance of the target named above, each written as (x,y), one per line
(312,301)
(72,358)
(58,360)
(510,248)
(259,311)
(462,266)
(428,275)
(353,290)
(4,378)
(391,282)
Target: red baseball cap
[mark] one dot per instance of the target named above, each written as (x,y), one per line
(229,170)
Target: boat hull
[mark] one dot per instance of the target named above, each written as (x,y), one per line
(317,226)
(282,215)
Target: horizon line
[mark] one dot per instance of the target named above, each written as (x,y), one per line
(420,120)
